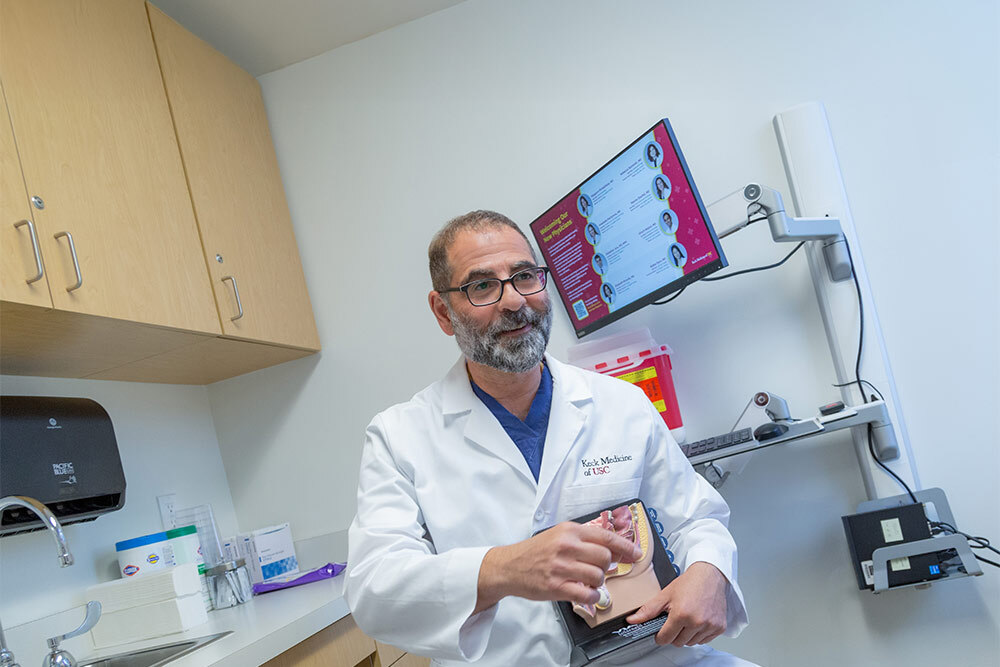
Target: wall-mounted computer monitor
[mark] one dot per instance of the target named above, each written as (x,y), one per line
(632,233)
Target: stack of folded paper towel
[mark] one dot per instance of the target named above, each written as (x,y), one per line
(156,604)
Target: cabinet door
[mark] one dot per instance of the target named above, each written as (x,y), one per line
(388,654)
(410,660)
(20,259)
(339,645)
(96,143)
(236,187)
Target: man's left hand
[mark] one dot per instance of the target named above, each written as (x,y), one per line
(695,603)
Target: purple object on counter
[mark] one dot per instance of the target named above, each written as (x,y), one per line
(328,571)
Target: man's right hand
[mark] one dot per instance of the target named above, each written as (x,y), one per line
(566,562)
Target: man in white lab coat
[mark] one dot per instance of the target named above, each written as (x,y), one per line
(454,483)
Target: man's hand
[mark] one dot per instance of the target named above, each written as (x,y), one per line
(696,607)
(566,562)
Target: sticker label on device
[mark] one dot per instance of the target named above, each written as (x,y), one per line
(892,531)
(868,570)
(898,564)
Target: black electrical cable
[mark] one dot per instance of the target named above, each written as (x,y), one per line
(759,268)
(982,542)
(737,273)
(874,388)
(857,374)
(663,301)
(978,541)
(987,560)
(861,322)
(871,450)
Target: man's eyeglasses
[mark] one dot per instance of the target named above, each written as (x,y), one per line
(488,291)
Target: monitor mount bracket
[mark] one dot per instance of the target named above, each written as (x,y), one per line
(754,202)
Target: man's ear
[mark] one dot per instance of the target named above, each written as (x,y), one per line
(440,309)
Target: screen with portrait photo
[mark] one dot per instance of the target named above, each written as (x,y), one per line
(633,232)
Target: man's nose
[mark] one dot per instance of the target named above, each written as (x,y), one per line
(511,299)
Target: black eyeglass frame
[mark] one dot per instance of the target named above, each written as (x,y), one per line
(503,283)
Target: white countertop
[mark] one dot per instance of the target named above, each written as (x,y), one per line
(270,624)
(261,629)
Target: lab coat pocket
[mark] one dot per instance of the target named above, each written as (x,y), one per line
(582,499)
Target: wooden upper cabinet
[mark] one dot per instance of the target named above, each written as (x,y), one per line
(236,188)
(20,258)
(97,145)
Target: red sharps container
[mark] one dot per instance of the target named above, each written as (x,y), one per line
(635,357)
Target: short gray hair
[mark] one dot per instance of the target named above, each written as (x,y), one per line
(437,253)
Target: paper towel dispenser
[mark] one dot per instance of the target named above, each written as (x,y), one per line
(62,452)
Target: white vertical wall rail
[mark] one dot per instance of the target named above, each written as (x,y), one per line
(817,190)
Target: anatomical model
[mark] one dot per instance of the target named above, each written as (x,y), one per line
(627,586)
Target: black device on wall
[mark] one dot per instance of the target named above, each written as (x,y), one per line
(869,531)
(61,452)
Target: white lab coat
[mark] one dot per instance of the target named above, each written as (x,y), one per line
(442,462)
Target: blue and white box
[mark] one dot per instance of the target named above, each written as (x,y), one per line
(275,551)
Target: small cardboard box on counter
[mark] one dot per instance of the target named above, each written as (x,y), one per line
(269,552)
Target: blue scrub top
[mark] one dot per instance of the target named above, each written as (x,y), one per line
(528,435)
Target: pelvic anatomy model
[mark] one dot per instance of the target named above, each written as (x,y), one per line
(627,586)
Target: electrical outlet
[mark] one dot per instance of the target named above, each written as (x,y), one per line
(168,504)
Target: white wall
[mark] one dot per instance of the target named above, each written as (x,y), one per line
(167,443)
(508,105)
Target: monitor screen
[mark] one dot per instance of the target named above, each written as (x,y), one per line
(632,233)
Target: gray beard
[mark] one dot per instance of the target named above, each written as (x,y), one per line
(508,355)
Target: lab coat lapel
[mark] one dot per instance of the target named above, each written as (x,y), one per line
(571,399)
(480,427)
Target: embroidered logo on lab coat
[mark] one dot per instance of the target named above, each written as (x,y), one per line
(602,465)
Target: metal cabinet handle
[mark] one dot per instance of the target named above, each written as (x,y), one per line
(34,247)
(236,291)
(76,261)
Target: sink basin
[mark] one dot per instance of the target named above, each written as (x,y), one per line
(152,656)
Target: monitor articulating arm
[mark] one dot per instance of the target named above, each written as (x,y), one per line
(754,201)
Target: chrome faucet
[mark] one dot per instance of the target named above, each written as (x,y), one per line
(58,657)
(65,557)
